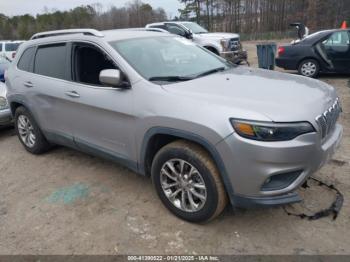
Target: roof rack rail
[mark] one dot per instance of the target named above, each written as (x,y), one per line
(92,32)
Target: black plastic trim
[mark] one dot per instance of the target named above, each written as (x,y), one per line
(265,202)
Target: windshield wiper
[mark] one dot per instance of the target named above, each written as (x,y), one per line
(170,78)
(212,71)
(186,78)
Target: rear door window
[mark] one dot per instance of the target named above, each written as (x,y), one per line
(50,60)
(338,39)
(26,61)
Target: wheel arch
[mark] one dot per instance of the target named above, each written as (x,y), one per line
(14,105)
(308,58)
(212,49)
(151,145)
(18,102)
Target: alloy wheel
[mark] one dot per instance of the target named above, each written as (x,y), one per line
(26,131)
(183,185)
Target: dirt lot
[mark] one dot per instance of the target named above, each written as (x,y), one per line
(66,202)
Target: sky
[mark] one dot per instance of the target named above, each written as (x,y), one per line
(33,7)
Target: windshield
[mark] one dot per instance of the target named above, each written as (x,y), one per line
(196,28)
(169,57)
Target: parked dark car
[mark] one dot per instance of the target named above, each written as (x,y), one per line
(4,64)
(322,52)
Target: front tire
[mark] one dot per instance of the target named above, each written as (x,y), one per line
(188,182)
(309,68)
(29,133)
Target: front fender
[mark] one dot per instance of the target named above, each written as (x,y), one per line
(210,147)
(210,43)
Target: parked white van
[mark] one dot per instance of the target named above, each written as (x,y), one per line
(9,48)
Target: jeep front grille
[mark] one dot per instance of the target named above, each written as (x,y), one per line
(327,121)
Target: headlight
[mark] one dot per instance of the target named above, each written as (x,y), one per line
(225,44)
(3,103)
(268,131)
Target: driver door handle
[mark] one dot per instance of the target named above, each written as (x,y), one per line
(72,94)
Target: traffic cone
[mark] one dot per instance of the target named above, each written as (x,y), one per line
(344,25)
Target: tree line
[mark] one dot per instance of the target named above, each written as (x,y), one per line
(134,14)
(266,18)
(253,19)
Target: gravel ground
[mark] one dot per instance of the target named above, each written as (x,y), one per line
(66,202)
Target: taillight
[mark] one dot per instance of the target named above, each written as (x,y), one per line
(13,55)
(281,50)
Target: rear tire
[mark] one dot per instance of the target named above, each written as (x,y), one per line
(29,133)
(309,68)
(199,194)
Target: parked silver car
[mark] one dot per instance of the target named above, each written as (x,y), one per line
(204,130)
(5,112)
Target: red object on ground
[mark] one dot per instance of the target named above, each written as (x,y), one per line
(344,25)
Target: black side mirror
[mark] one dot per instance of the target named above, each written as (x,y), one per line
(189,34)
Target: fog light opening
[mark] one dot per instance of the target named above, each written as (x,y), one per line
(280,181)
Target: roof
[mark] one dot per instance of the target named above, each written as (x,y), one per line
(12,41)
(86,31)
(173,22)
(115,35)
(323,33)
(107,35)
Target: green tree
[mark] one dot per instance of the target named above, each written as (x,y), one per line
(192,6)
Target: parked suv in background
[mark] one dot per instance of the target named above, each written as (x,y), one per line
(205,130)
(227,45)
(8,49)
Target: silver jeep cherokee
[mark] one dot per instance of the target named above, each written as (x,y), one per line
(206,131)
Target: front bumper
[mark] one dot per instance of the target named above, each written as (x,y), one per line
(5,117)
(250,164)
(235,57)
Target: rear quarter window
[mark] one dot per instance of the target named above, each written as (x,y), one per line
(50,60)
(26,61)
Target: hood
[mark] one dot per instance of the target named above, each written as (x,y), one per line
(218,35)
(280,97)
